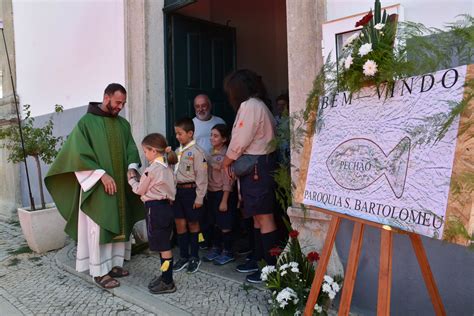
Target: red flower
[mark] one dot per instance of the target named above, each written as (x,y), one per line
(366,19)
(275,251)
(313,256)
(294,234)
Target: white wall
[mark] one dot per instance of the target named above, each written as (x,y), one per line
(67,51)
(432,13)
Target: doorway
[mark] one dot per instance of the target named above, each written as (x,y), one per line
(200,55)
(207,39)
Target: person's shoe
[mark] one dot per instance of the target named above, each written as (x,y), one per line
(193,265)
(180,264)
(249,266)
(243,251)
(224,258)
(154,282)
(213,254)
(163,288)
(249,257)
(203,245)
(254,277)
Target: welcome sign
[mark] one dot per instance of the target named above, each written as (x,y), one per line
(375,154)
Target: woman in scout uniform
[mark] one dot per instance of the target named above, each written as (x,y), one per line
(252,135)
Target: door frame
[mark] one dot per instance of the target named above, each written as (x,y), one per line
(169,102)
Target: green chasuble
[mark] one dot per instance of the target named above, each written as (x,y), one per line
(97,142)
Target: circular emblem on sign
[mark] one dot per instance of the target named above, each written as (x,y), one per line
(190,154)
(218,158)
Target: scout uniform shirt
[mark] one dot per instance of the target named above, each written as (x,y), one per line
(218,178)
(156,183)
(253,130)
(192,168)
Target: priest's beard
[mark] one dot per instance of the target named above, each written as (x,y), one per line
(111,110)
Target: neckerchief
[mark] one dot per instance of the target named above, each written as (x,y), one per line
(161,161)
(180,152)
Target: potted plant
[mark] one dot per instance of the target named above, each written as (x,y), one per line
(42,226)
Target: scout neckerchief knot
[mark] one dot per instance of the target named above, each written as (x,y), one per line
(161,160)
(180,152)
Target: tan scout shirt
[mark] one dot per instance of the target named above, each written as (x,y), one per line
(192,167)
(218,178)
(253,130)
(156,183)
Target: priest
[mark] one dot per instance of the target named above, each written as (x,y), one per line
(88,183)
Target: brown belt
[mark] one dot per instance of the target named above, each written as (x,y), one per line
(189,185)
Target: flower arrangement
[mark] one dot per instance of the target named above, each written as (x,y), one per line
(290,280)
(368,55)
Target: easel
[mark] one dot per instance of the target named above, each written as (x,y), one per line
(385,270)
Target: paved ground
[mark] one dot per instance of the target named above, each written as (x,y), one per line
(48,284)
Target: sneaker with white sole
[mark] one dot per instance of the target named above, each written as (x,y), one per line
(193,265)
(180,264)
(249,266)
(254,277)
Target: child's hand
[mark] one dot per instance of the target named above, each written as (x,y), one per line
(223,207)
(196,205)
(132,173)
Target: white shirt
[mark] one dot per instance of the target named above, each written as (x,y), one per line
(202,132)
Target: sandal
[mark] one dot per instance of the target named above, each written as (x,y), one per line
(106,282)
(118,272)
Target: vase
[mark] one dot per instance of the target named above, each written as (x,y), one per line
(43,229)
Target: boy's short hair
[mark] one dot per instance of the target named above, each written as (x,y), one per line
(185,123)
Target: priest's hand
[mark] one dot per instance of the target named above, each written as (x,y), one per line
(109,184)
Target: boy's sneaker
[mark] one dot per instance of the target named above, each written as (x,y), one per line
(244,251)
(154,282)
(162,288)
(254,277)
(193,265)
(213,254)
(226,257)
(203,245)
(249,266)
(180,264)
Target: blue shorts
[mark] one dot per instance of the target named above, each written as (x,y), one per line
(258,195)
(159,223)
(223,220)
(183,205)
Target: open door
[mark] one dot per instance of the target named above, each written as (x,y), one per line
(200,55)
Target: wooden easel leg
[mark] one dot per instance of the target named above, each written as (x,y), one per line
(427,274)
(322,265)
(351,269)
(385,273)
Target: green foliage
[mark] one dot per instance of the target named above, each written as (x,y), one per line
(39,141)
(402,50)
(22,249)
(455,229)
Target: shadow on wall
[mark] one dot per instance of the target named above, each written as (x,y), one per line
(452,268)
(63,124)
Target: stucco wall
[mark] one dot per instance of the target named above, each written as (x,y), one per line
(65,50)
